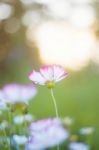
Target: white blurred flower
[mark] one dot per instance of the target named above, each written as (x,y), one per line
(28,117)
(68,121)
(20,119)
(3,125)
(78,146)
(46,133)
(20,139)
(87,130)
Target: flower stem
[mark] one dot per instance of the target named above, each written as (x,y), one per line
(56,109)
(10,123)
(55,105)
(6,138)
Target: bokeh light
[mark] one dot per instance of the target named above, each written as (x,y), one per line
(60,9)
(27,2)
(12,25)
(81,1)
(82,16)
(62,44)
(6,11)
(31,17)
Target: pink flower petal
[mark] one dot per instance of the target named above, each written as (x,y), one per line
(17,92)
(37,78)
(11,92)
(27,92)
(59,73)
(47,73)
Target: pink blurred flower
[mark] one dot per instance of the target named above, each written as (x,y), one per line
(46,133)
(48,75)
(19,93)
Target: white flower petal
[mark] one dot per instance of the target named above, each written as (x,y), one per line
(47,73)
(37,78)
(59,73)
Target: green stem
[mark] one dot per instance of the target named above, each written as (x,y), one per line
(55,105)
(56,110)
(4,132)
(25,127)
(10,122)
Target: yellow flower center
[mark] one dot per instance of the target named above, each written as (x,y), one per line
(50,84)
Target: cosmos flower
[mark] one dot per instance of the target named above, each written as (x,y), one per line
(87,130)
(48,75)
(20,139)
(78,146)
(46,133)
(3,125)
(19,93)
(68,121)
(20,119)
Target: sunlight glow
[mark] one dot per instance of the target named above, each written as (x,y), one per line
(62,44)
(27,2)
(82,17)
(60,9)
(30,17)
(81,1)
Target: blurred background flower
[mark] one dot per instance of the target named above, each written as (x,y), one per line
(87,130)
(46,133)
(14,93)
(20,119)
(78,146)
